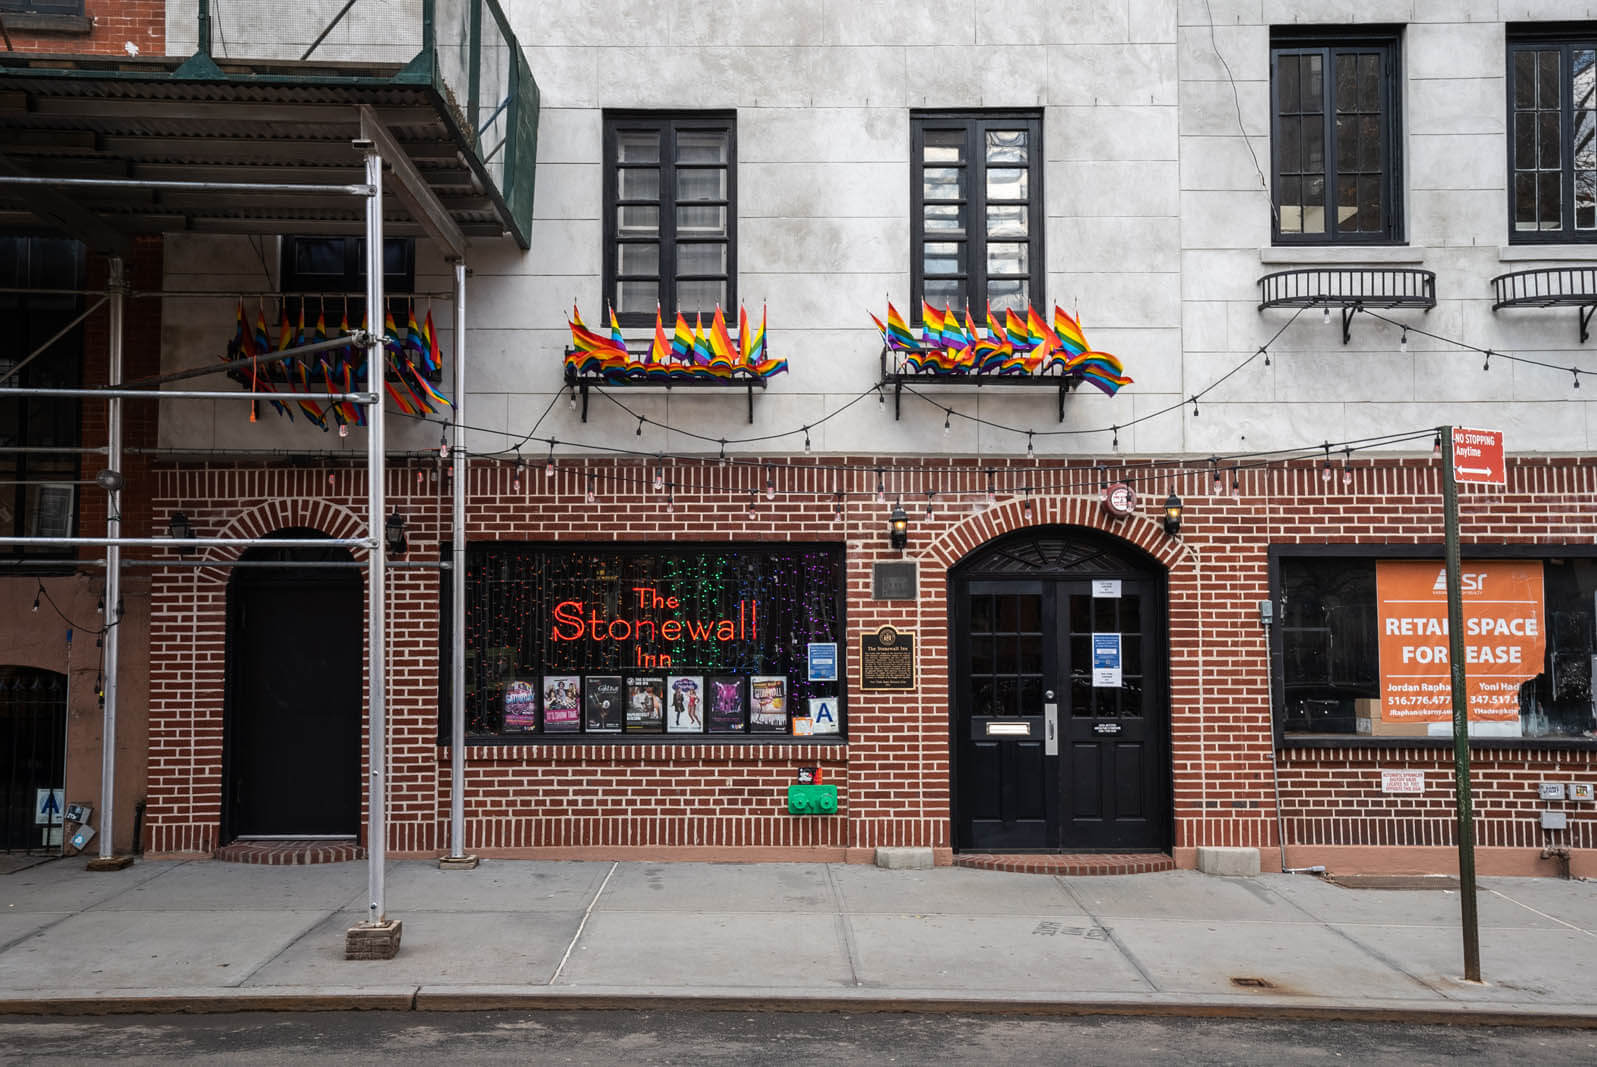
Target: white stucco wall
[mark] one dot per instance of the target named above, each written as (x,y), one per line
(1157,225)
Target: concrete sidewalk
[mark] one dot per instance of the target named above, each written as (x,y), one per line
(205,936)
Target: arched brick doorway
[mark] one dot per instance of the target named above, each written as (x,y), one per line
(1049,754)
(292,726)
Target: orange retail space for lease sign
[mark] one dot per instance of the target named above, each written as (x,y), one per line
(1504,637)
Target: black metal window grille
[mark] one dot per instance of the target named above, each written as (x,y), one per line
(33,723)
(670,214)
(38,497)
(1552,115)
(976,211)
(1334,134)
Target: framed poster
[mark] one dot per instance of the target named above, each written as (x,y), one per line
(521,706)
(562,703)
(768,703)
(645,704)
(602,698)
(728,713)
(684,704)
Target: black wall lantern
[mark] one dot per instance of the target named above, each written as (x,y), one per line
(394,534)
(898,527)
(179,529)
(1172,515)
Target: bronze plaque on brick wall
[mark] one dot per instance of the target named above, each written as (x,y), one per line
(892,581)
(887,659)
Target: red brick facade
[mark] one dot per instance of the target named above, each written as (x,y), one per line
(893,770)
(105,29)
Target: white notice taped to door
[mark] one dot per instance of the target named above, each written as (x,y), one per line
(1106,661)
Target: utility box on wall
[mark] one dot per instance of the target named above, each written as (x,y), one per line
(812,800)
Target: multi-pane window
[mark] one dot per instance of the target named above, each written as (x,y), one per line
(670,194)
(976,196)
(1336,160)
(39,467)
(1552,123)
(337,266)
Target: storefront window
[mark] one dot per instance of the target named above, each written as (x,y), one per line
(1362,646)
(653,640)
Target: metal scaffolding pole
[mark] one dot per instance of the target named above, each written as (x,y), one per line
(113,569)
(377,628)
(457,590)
(178,394)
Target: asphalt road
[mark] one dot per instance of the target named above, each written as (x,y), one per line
(700,1038)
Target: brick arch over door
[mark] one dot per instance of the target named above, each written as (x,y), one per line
(965,537)
(268,516)
(188,667)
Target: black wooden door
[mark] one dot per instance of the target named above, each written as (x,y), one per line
(1113,770)
(1048,754)
(293,745)
(33,727)
(1007,782)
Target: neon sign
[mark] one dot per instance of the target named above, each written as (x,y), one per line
(574,621)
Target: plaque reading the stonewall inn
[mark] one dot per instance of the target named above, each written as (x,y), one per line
(887,659)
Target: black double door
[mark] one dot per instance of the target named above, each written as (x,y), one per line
(1060,720)
(295,704)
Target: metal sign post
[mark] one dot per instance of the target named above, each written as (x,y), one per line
(377,577)
(1455,659)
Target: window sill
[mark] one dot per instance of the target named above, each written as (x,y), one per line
(62,25)
(1339,255)
(1547,253)
(1544,744)
(636,740)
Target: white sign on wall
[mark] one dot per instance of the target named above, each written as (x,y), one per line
(1402,781)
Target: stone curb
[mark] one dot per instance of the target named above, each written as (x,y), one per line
(209,1001)
(524,998)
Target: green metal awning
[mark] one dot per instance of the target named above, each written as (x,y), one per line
(259,121)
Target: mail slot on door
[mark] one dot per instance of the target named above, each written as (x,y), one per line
(1006,728)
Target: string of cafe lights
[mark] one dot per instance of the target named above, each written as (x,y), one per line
(948,411)
(1489,353)
(722,443)
(671,474)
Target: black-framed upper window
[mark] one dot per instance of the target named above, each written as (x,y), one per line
(670,214)
(337,265)
(604,639)
(1361,647)
(38,494)
(1552,142)
(1336,159)
(976,210)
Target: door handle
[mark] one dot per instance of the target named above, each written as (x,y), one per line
(1050,716)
